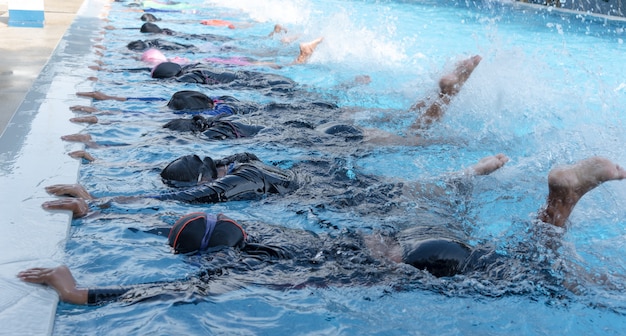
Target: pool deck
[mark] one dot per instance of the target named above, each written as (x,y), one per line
(41,70)
(24,51)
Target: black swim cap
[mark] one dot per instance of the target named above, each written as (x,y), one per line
(188,170)
(196,124)
(440,257)
(200,231)
(227,232)
(190,100)
(147,17)
(166,70)
(137,45)
(149,27)
(349,132)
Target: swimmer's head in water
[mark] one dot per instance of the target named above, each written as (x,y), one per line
(147,17)
(440,257)
(196,124)
(348,132)
(149,27)
(200,231)
(166,70)
(190,101)
(153,56)
(138,45)
(189,170)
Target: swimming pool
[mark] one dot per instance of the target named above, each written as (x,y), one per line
(548,91)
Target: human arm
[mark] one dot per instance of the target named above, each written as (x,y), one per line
(72,190)
(218,23)
(81,154)
(85,119)
(83,138)
(60,279)
(77,206)
(97,95)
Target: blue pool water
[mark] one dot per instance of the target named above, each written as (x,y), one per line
(550,90)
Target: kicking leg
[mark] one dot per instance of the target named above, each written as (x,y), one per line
(488,165)
(307,49)
(568,184)
(449,86)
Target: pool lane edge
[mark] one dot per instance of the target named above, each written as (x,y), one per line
(32,156)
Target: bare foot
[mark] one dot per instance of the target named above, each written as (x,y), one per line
(489,164)
(277,30)
(307,49)
(451,84)
(568,184)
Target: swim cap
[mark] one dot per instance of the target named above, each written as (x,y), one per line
(189,170)
(227,232)
(153,56)
(200,231)
(190,100)
(147,17)
(137,45)
(196,124)
(149,27)
(166,70)
(348,132)
(440,257)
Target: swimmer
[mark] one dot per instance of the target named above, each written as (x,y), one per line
(440,256)
(154,57)
(306,51)
(151,28)
(186,101)
(237,177)
(160,44)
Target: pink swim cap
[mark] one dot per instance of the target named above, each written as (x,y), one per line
(153,56)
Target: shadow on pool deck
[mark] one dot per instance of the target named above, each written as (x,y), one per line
(25,51)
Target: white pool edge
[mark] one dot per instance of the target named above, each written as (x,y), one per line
(32,156)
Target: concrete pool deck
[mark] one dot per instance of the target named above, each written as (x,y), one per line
(24,51)
(41,70)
